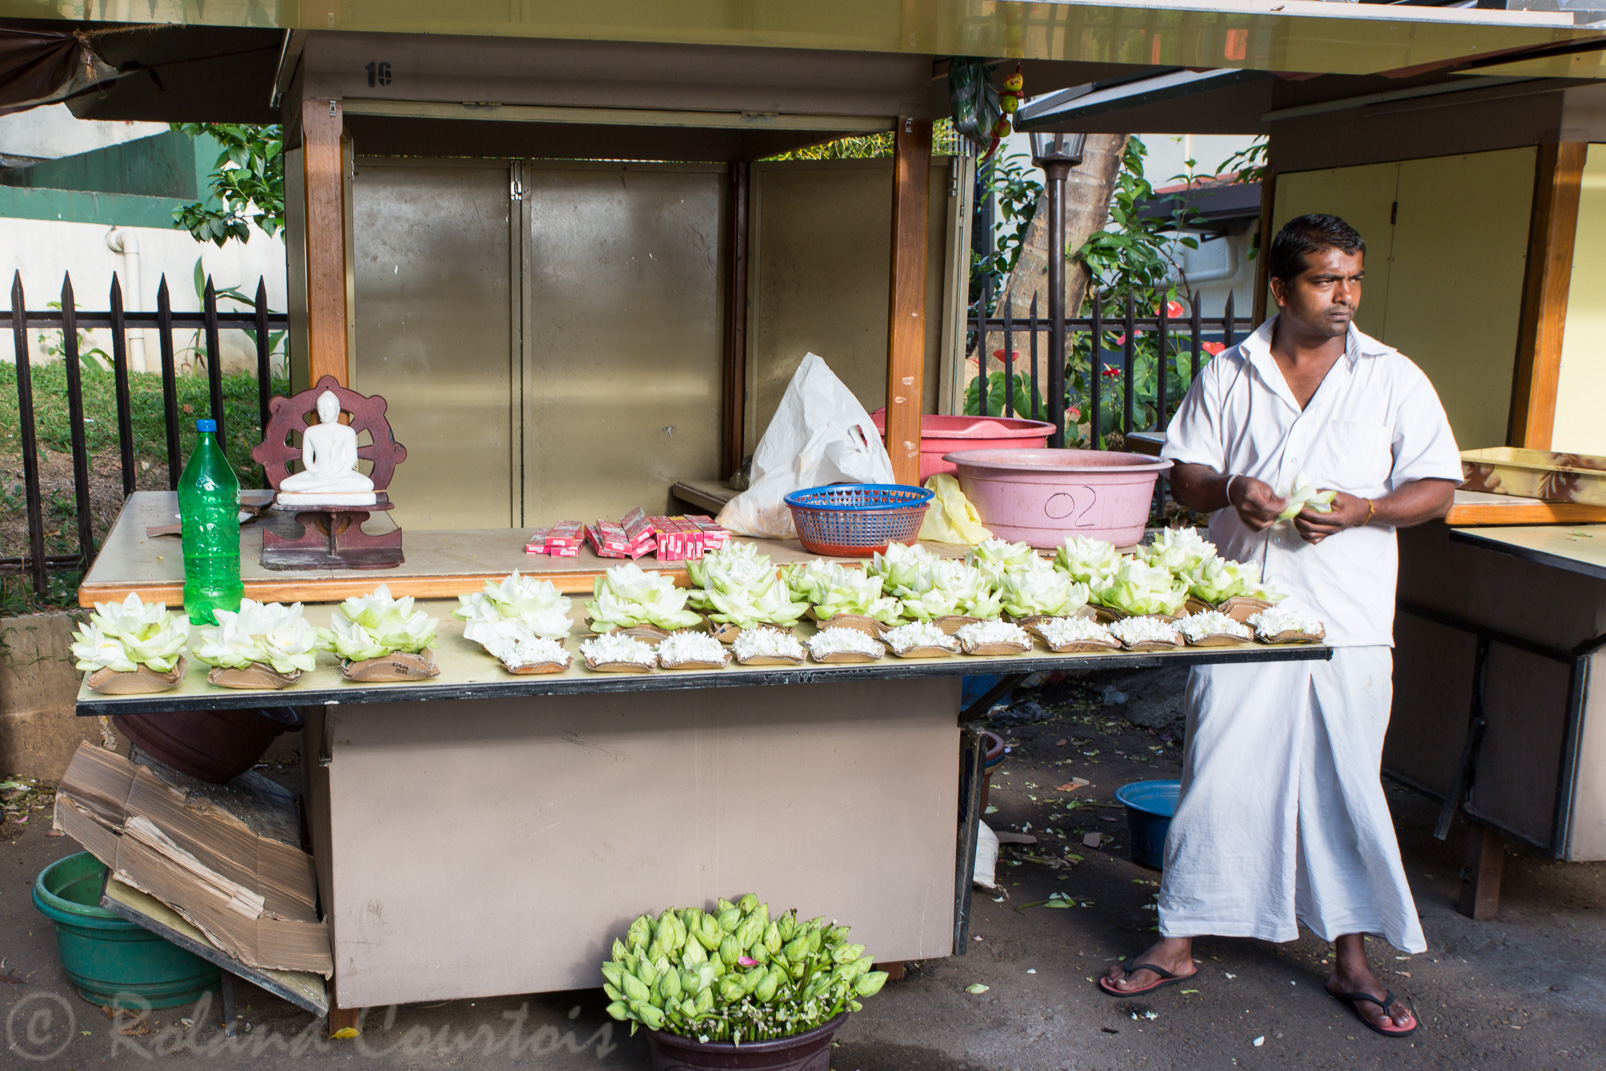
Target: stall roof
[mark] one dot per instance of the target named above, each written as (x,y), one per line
(1294,35)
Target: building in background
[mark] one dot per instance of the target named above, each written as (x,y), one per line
(94,198)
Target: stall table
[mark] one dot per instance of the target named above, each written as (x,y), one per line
(1496,706)
(480,833)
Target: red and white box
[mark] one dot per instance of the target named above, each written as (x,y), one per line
(565,535)
(678,539)
(714,536)
(638,531)
(537,543)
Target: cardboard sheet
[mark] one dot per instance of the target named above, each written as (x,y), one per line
(252,896)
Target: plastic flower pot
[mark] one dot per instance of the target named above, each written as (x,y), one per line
(809,1051)
(1149,808)
(1042,496)
(109,959)
(212,745)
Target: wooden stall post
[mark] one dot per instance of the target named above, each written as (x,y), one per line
(322,124)
(1551,233)
(735,388)
(906,335)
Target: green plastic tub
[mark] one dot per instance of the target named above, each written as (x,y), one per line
(109,959)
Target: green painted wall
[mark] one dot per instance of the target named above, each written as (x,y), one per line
(134,184)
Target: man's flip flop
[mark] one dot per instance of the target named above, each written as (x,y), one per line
(1388,1001)
(1166,978)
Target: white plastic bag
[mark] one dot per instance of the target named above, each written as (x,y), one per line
(820,435)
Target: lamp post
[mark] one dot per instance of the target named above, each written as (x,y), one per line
(1056,154)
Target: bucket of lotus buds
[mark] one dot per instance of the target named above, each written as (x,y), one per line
(734,988)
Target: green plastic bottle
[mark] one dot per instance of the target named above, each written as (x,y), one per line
(209,509)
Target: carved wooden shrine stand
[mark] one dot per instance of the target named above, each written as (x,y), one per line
(331,536)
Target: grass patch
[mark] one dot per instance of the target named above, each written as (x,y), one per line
(52,428)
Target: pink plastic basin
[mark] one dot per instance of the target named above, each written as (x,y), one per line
(1042,496)
(941,434)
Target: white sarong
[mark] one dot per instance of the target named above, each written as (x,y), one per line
(1282,818)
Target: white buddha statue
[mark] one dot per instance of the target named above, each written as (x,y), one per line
(329,475)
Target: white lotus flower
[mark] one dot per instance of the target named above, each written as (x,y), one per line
(534,602)
(900,566)
(1089,560)
(1041,592)
(376,625)
(995,557)
(147,633)
(269,633)
(1303,495)
(1139,588)
(628,595)
(95,650)
(1178,549)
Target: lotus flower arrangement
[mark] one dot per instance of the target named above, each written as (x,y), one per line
(627,595)
(271,636)
(734,974)
(1302,496)
(1091,561)
(131,646)
(741,587)
(1041,591)
(900,567)
(997,556)
(376,625)
(1178,549)
(1137,588)
(832,589)
(122,636)
(535,604)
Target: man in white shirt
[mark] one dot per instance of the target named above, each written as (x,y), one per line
(1282,818)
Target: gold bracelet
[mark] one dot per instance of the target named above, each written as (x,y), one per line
(1371,511)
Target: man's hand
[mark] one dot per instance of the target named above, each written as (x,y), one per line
(1257,504)
(1347,512)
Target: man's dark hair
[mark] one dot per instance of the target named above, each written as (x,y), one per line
(1310,234)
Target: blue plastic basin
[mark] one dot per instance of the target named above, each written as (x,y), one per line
(1149,807)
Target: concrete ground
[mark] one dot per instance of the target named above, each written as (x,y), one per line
(1525,991)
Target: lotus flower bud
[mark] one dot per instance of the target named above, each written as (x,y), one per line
(691,918)
(751,929)
(670,985)
(709,933)
(729,950)
(731,989)
(729,919)
(647,971)
(751,980)
(618,1010)
(634,988)
(772,937)
(611,972)
(705,1001)
(639,934)
(816,939)
(693,955)
(836,934)
(613,991)
(748,903)
(651,1017)
(688,1008)
(767,988)
(797,948)
(706,975)
(846,953)
(759,953)
(723,904)
(689,982)
(870,983)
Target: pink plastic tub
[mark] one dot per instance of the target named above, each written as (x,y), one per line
(942,434)
(1042,496)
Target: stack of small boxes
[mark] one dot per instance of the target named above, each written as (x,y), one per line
(674,539)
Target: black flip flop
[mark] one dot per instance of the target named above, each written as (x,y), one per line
(1166,978)
(1388,1001)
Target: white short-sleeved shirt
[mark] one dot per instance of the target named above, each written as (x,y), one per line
(1374,425)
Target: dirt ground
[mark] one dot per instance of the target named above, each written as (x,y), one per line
(1525,991)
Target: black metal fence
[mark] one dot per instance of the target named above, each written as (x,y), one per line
(1178,342)
(69,320)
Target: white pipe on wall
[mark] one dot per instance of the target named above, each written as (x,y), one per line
(126,244)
